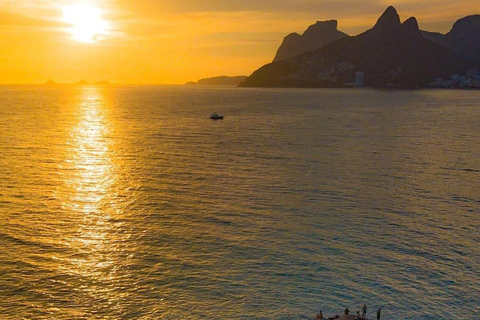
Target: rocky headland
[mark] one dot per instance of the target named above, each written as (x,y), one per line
(392,54)
(219,81)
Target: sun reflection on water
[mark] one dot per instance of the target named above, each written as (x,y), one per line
(92,166)
(92,204)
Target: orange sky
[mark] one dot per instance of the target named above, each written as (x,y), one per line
(174,41)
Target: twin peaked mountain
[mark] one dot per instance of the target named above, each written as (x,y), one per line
(392,53)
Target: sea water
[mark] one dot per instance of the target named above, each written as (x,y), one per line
(124,202)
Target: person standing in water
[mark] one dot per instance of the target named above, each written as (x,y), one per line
(364,311)
(319,315)
(378,314)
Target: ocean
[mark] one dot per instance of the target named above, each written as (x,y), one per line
(128,202)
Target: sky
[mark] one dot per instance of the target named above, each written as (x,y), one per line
(175,41)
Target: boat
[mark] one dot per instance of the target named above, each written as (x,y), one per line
(216,116)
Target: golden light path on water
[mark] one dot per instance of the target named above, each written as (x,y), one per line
(91,198)
(91,177)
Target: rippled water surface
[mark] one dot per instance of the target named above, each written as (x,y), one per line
(129,203)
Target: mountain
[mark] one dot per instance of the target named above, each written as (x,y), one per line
(464,38)
(315,37)
(220,81)
(391,54)
(435,37)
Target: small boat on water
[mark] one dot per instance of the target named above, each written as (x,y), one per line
(216,116)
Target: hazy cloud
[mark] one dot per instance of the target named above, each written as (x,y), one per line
(335,8)
(354,15)
(154,7)
(8,18)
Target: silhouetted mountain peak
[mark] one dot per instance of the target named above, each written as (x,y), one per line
(324,26)
(410,26)
(466,25)
(390,11)
(316,36)
(389,20)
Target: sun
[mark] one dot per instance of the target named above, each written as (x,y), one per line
(87,23)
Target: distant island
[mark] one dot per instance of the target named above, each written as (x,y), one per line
(390,55)
(219,81)
(78,83)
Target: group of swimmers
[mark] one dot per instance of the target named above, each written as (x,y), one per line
(363,316)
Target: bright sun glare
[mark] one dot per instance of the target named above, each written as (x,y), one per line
(87,23)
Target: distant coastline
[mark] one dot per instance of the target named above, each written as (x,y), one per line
(219,81)
(344,86)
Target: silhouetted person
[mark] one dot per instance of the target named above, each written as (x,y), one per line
(319,315)
(358,315)
(364,311)
(378,314)
(346,310)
